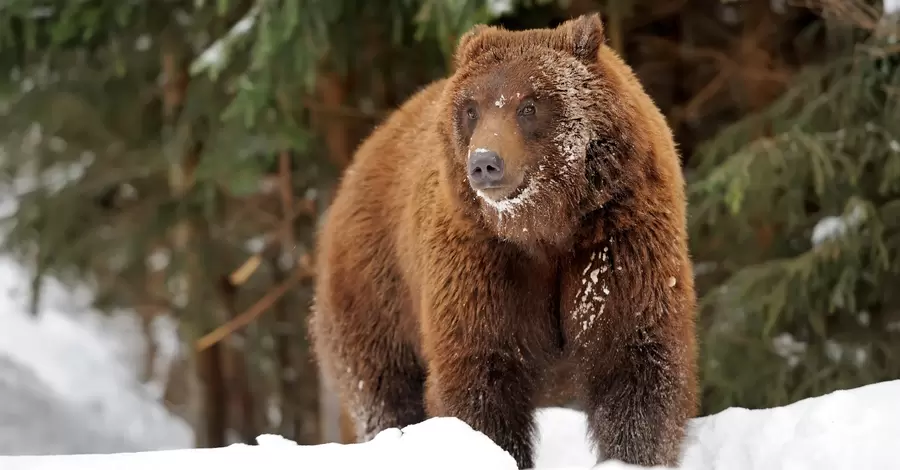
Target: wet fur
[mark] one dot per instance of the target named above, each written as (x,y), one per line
(430,302)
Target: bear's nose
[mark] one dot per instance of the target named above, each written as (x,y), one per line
(485,168)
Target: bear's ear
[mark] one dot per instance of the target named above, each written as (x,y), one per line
(471,44)
(584,36)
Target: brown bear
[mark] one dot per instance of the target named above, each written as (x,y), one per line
(525,215)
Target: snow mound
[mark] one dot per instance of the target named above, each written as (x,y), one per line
(849,429)
(83,362)
(846,429)
(438,443)
(34,421)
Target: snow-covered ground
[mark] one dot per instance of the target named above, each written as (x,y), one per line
(853,429)
(67,377)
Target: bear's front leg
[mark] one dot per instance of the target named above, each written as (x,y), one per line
(492,392)
(488,328)
(629,321)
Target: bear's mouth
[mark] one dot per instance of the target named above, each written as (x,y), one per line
(517,191)
(510,187)
(506,198)
(497,194)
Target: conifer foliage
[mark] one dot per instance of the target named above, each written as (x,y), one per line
(797,208)
(179,154)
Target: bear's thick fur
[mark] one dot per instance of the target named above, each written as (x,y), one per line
(524,216)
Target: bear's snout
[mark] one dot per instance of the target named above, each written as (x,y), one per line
(486,169)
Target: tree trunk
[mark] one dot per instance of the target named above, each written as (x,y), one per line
(183,154)
(215,396)
(240,400)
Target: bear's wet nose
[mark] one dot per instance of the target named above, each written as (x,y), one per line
(485,168)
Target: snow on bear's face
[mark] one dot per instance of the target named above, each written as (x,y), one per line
(525,112)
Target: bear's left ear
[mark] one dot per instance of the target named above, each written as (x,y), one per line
(471,44)
(584,36)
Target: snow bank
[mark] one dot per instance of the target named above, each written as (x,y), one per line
(853,429)
(34,421)
(68,378)
(84,363)
(439,443)
(847,429)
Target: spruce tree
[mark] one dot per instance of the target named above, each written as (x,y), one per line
(795,215)
(178,153)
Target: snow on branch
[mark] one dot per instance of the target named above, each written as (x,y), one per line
(214,58)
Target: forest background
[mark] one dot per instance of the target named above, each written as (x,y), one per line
(178,155)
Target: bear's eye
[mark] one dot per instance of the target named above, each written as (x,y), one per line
(472,113)
(527,110)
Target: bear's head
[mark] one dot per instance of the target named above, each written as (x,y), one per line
(540,123)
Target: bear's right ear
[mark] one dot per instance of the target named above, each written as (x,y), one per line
(471,44)
(584,36)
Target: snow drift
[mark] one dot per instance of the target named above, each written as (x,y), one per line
(852,429)
(67,377)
